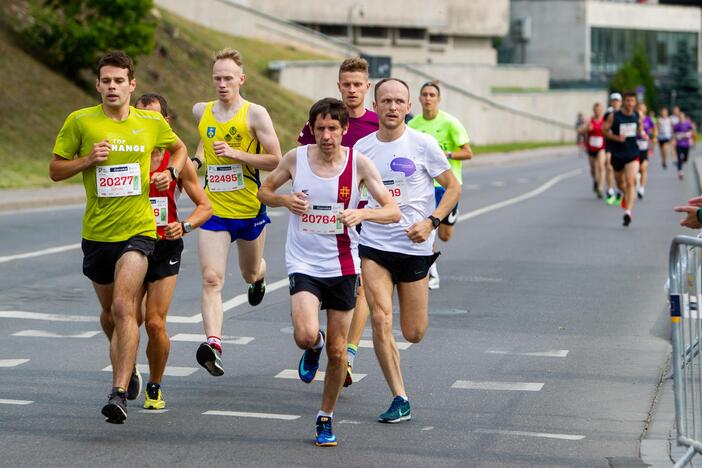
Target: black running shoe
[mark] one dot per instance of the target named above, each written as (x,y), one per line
(627,219)
(210,358)
(115,411)
(256,292)
(135,384)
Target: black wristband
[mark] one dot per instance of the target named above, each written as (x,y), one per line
(197,161)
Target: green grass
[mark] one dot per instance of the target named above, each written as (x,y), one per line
(508,147)
(36,100)
(507,89)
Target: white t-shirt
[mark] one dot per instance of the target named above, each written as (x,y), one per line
(407,166)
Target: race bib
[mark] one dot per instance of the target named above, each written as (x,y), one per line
(681,135)
(643,144)
(364,193)
(323,219)
(628,129)
(225,178)
(596,141)
(121,180)
(397,188)
(160,207)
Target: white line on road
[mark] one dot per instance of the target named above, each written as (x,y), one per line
(369,344)
(520,198)
(197,337)
(544,435)
(292,375)
(242,414)
(170,370)
(39,253)
(502,386)
(497,183)
(15,402)
(20,314)
(551,353)
(46,334)
(12,362)
(471,187)
(153,411)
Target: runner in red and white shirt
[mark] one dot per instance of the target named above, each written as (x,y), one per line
(321,248)
(595,143)
(164,263)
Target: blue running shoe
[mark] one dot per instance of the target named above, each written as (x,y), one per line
(309,363)
(399,411)
(325,437)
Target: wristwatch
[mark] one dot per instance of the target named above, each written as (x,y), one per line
(197,161)
(449,155)
(187,227)
(434,221)
(174,172)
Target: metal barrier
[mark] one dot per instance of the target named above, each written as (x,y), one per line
(684,290)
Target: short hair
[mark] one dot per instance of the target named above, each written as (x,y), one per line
(230,54)
(354,64)
(329,106)
(148,98)
(119,59)
(434,84)
(629,94)
(385,80)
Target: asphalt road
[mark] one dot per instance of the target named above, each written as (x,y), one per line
(545,344)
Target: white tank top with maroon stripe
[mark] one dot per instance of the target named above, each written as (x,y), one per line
(323,255)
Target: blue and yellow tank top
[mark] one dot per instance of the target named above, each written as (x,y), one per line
(240,202)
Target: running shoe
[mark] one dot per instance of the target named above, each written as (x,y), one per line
(594,187)
(115,411)
(611,199)
(618,199)
(626,220)
(135,383)
(399,411)
(309,363)
(210,358)
(325,436)
(599,194)
(256,292)
(434,282)
(640,193)
(154,397)
(349,376)
(665,165)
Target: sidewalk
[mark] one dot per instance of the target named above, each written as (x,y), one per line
(67,194)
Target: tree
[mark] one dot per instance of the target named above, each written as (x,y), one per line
(686,83)
(641,63)
(72,34)
(627,78)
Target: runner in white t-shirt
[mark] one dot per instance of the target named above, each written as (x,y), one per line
(401,253)
(321,251)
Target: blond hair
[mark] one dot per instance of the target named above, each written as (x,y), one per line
(230,54)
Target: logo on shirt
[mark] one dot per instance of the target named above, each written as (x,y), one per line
(344,192)
(210,132)
(121,146)
(404,165)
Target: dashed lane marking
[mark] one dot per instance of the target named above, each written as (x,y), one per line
(244,414)
(292,375)
(19,314)
(39,253)
(499,386)
(198,337)
(46,334)
(12,362)
(544,435)
(551,353)
(15,402)
(497,183)
(172,371)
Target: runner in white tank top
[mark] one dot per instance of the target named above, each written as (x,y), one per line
(321,249)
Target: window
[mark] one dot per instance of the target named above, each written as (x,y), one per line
(412,33)
(442,39)
(335,30)
(374,32)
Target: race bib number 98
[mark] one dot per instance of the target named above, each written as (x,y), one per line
(323,219)
(121,180)
(160,207)
(225,178)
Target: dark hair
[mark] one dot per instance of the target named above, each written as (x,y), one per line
(629,94)
(354,64)
(385,80)
(117,59)
(149,98)
(434,84)
(329,106)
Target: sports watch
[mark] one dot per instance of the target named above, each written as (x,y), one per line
(434,221)
(187,227)
(174,172)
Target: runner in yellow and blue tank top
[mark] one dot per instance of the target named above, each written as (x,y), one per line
(237,141)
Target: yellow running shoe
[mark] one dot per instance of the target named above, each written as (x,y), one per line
(154,397)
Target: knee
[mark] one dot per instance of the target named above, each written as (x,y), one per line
(382,322)
(249,276)
(413,335)
(212,280)
(336,353)
(121,309)
(306,338)
(155,326)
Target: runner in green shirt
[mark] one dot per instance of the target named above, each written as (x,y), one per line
(453,140)
(111,145)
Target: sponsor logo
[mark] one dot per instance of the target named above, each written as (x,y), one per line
(404,165)
(452,217)
(210,132)
(344,192)
(137,131)
(171,262)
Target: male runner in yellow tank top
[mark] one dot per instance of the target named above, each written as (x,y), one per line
(237,140)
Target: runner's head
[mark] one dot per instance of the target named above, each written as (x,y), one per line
(429,97)
(629,103)
(392,102)
(615,100)
(329,121)
(664,112)
(154,102)
(228,74)
(115,79)
(642,109)
(353,82)
(676,110)
(597,109)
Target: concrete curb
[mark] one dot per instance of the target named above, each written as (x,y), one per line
(65,194)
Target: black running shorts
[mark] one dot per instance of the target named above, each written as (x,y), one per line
(165,261)
(619,162)
(100,258)
(337,293)
(403,268)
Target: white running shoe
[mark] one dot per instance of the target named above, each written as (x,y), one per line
(433,282)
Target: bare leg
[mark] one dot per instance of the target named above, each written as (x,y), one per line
(213,248)
(251,262)
(338,323)
(414,309)
(601,169)
(360,316)
(644,173)
(158,300)
(104,294)
(630,171)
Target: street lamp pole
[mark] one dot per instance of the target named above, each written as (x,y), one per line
(349,23)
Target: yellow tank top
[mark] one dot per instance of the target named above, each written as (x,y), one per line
(242,202)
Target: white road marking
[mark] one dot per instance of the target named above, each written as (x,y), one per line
(15,402)
(242,414)
(46,334)
(520,198)
(22,211)
(502,386)
(198,337)
(153,411)
(292,375)
(348,421)
(369,344)
(170,370)
(12,362)
(428,428)
(544,435)
(497,183)
(19,314)
(39,253)
(551,353)
(470,187)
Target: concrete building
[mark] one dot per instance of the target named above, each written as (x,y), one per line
(588,40)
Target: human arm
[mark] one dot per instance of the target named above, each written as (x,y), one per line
(387,213)
(462,154)
(420,231)
(179,154)
(607,130)
(295,202)
(692,218)
(203,208)
(61,168)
